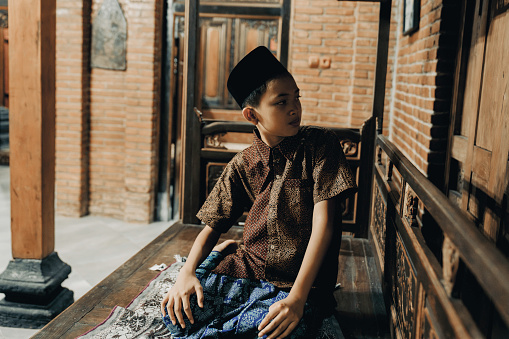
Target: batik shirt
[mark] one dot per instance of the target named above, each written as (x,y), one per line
(280,185)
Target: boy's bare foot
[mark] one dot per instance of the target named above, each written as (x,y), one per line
(226,247)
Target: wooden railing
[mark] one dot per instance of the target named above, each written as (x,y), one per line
(441,277)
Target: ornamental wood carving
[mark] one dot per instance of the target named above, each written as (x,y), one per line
(214,141)
(350,148)
(214,171)
(404,291)
(379,224)
(450,264)
(410,206)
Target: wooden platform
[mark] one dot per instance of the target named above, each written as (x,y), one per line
(360,307)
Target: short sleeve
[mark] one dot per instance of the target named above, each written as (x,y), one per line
(331,173)
(227,201)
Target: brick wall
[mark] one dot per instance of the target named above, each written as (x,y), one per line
(345,34)
(107,121)
(423,90)
(72,105)
(122,118)
(142,111)
(419,78)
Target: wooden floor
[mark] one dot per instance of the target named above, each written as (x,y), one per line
(360,310)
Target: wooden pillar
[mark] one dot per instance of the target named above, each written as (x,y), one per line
(382,55)
(190,196)
(32,280)
(368,151)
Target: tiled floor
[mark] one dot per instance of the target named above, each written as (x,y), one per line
(92,246)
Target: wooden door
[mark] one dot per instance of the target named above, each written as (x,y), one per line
(218,54)
(480,142)
(227,32)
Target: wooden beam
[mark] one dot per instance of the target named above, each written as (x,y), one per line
(285,32)
(368,147)
(32,126)
(382,54)
(236,10)
(189,200)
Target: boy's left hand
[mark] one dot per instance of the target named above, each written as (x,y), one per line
(282,318)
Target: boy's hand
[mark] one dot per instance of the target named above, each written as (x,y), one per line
(178,297)
(282,318)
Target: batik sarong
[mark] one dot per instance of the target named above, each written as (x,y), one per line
(235,307)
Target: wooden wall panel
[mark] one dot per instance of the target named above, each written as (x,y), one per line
(378,224)
(493,128)
(479,164)
(213,61)
(224,41)
(476,59)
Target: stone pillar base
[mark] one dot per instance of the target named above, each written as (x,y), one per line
(23,315)
(33,291)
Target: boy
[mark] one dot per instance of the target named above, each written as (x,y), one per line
(279,282)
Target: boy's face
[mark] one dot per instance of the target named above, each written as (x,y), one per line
(279,113)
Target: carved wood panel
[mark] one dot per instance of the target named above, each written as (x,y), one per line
(404,292)
(427,330)
(409,204)
(379,224)
(214,171)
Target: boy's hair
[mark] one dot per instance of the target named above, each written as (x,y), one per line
(253,99)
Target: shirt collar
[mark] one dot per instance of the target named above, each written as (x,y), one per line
(262,149)
(287,146)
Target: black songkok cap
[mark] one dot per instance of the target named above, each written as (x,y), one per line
(259,66)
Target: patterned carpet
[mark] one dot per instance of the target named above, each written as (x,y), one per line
(142,317)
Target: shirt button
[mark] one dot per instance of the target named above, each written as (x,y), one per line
(272,247)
